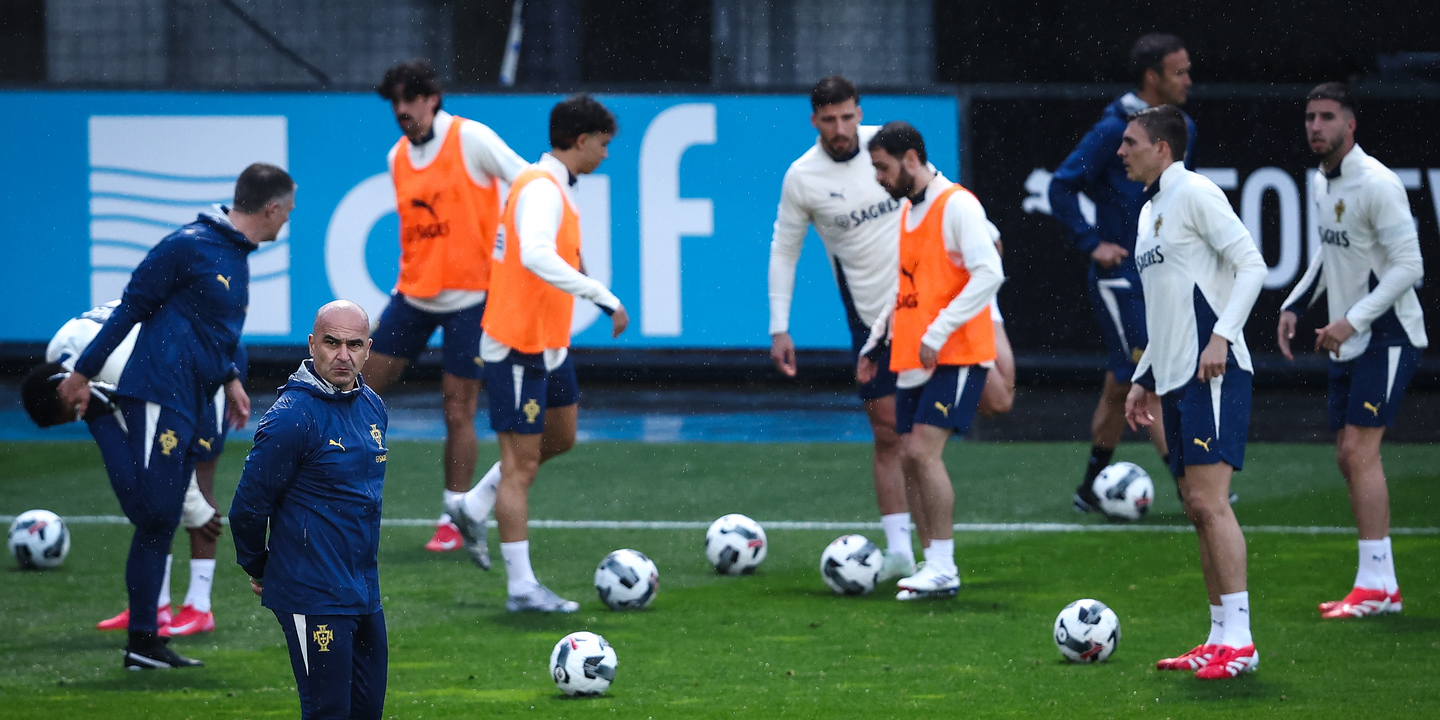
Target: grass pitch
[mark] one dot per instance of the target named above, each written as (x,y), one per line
(777,644)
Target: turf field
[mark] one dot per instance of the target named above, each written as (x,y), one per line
(777,644)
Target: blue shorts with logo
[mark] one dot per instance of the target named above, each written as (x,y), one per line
(520,390)
(1367,391)
(210,429)
(947,400)
(1208,422)
(1119,306)
(405,329)
(883,384)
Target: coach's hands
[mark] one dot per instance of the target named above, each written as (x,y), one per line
(74,392)
(1212,359)
(1108,254)
(237,404)
(1285,332)
(619,320)
(1332,336)
(782,354)
(1137,407)
(257,586)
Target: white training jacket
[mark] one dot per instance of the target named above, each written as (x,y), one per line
(1198,266)
(1366,234)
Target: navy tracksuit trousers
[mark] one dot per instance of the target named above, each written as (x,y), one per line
(340,664)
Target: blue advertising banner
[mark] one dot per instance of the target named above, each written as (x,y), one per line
(677,221)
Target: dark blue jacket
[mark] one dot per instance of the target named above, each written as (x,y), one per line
(1094,169)
(315,478)
(190,292)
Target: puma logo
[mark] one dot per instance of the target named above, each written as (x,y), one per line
(203,443)
(426,206)
(223,281)
(944,409)
(336,443)
(1374,409)
(910,274)
(840,195)
(1205,443)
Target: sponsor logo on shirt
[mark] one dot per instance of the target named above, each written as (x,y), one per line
(1153,256)
(1338,238)
(426,231)
(859,217)
(912,298)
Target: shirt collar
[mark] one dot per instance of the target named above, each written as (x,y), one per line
(551,164)
(1131,103)
(1352,158)
(438,129)
(1167,178)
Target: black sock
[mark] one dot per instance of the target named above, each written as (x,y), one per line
(1099,460)
(142,639)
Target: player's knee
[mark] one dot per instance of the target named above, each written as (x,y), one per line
(888,443)
(1203,512)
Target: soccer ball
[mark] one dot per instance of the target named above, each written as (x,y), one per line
(1087,631)
(735,544)
(583,664)
(627,580)
(851,564)
(39,540)
(1125,491)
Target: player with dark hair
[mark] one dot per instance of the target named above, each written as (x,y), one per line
(832,188)
(1368,267)
(191,292)
(942,340)
(1160,67)
(306,521)
(447,172)
(1201,273)
(530,376)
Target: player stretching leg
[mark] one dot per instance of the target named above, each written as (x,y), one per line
(942,337)
(1201,274)
(1376,328)
(447,172)
(528,371)
(1161,66)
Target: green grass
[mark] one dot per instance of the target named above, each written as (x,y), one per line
(777,644)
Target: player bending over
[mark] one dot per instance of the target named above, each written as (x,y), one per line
(1368,266)
(1201,274)
(942,340)
(530,377)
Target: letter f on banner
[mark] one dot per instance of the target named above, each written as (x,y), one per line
(665,216)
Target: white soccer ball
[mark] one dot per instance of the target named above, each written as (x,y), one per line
(735,544)
(1087,631)
(583,664)
(1125,491)
(39,540)
(851,564)
(627,580)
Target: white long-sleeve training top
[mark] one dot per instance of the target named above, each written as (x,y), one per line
(538,212)
(487,158)
(1194,255)
(970,242)
(1369,259)
(856,220)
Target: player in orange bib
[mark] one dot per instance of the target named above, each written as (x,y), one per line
(535,278)
(942,340)
(447,173)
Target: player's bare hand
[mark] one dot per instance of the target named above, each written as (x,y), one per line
(782,353)
(257,586)
(237,404)
(211,530)
(1285,332)
(1137,407)
(865,370)
(1108,254)
(928,356)
(74,392)
(1212,359)
(619,320)
(1332,336)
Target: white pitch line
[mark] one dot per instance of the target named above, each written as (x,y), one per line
(851,526)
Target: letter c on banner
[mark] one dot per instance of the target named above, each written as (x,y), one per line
(665,216)
(345,240)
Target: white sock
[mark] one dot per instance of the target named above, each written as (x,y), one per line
(444,519)
(1217,625)
(1237,619)
(941,555)
(449,498)
(1371,571)
(519,578)
(1392,585)
(481,498)
(202,576)
(897,534)
(165,585)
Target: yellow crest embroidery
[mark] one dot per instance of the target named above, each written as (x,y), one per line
(223,281)
(1339,209)
(377,436)
(323,635)
(1160,220)
(168,441)
(944,409)
(203,443)
(532,410)
(336,443)
(1204,443)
